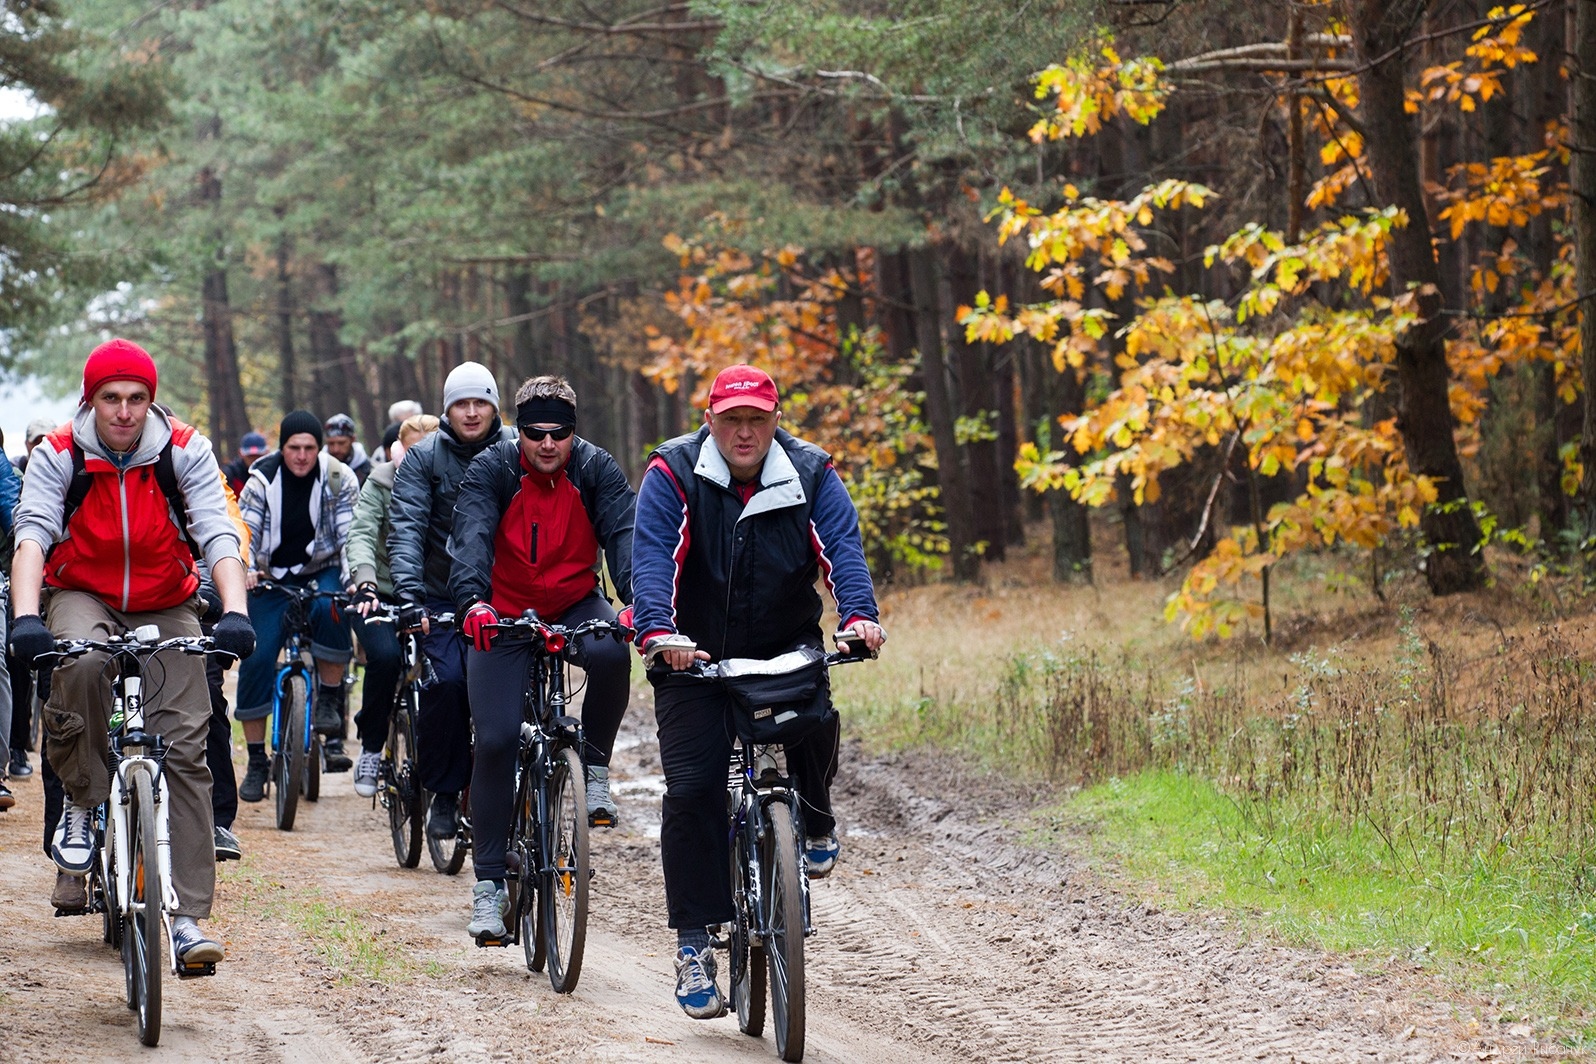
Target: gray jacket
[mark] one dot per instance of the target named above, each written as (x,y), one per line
(422,512)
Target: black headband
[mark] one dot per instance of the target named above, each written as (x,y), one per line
(545,411)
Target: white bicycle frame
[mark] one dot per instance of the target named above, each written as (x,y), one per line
(127,699)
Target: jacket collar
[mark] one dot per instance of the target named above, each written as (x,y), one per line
(779,484)
(156,432)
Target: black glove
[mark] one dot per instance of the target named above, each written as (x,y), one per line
(213,604)
(235,635)
(411,616)
(30,638)
(364,595)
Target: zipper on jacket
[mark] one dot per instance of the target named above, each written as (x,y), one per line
(533,546)
(127,542)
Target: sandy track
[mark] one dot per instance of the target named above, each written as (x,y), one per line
(942,936)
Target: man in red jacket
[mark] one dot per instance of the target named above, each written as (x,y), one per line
(116,562)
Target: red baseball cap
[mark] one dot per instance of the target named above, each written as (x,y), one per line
(742,385)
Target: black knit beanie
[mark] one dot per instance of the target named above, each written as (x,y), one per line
(297,422)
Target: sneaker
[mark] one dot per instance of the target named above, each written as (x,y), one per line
(7,799)
(333,758)
(227,845)
(367,770)
(72,849)
(189,944)
(601,809)
(70,894)
(489,905)
(20,769)
(329,711)
(696,991)
(820,853)
(443,817)
(253,787)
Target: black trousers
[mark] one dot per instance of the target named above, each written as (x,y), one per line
(695,746)
(21,737)
(498,680)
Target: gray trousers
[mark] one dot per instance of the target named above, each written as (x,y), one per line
(177,707)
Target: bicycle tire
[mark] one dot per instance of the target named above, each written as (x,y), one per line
(784,938)
(448,855)
(141,944)
(405,805)
(563,886)
(102,886)
(289,757)
(314,757)
(747,963)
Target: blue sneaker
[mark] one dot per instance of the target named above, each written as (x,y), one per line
(820,854)
(696,991)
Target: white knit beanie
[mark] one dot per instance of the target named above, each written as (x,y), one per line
(469,380)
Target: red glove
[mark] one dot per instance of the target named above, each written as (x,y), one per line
(625,619)
(476,626)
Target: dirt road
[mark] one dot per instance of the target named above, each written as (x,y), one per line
(942,936)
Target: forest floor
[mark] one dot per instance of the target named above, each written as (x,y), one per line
(949,932)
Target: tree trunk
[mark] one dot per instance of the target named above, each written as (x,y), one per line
(973,399)
(224,390)
(288,371)
(1583,179)
(1424,417)
(952,480)
(327,352)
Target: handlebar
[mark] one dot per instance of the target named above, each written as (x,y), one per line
(710,670)
(302,592)
(388,613)
(142,642)
(555,637)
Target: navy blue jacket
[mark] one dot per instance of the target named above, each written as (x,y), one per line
(740,580)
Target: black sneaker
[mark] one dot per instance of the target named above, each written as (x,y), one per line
(20,769)
(443,819)
(227,845)
(7,799)
(333,757)
(191,946)
(329,712)
(253,786)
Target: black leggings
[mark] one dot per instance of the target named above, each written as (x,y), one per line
(496,681)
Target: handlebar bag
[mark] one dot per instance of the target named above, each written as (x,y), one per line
(780,699)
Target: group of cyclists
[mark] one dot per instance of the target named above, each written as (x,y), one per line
(126,518)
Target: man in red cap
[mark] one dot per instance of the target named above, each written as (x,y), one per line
(734,524)
(118,560)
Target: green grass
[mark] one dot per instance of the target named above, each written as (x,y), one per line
(1516,925)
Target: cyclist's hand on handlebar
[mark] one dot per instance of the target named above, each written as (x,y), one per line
(624,619)
(477,626)
(30,638)
(413,615)
(674,650)
(363,599)
(871,634)
(251,578)
(235,634)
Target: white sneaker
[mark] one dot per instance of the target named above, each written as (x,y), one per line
(72,848)
(367,768)
(489,906)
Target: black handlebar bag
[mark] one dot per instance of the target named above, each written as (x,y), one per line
(779,700)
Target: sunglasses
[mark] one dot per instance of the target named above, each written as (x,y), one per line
(538,435)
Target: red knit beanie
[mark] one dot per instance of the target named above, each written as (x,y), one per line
(118,360)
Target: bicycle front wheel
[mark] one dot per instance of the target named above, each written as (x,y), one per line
(288,761)
(141,941)
(564,884)
(404,799)
(784,940)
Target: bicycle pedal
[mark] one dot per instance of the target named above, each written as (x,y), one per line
(82,911)
(486,941)
(196,971)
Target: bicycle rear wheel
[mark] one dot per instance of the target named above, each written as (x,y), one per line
(784,940)
(564,886)
(288,761)
(141,943)
(404,799)
(448,855)
(313,760)
(102,884)
(747,965)
(523,880)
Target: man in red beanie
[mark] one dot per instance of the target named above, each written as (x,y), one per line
(118,560)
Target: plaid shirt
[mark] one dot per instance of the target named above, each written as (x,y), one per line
(332,526)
